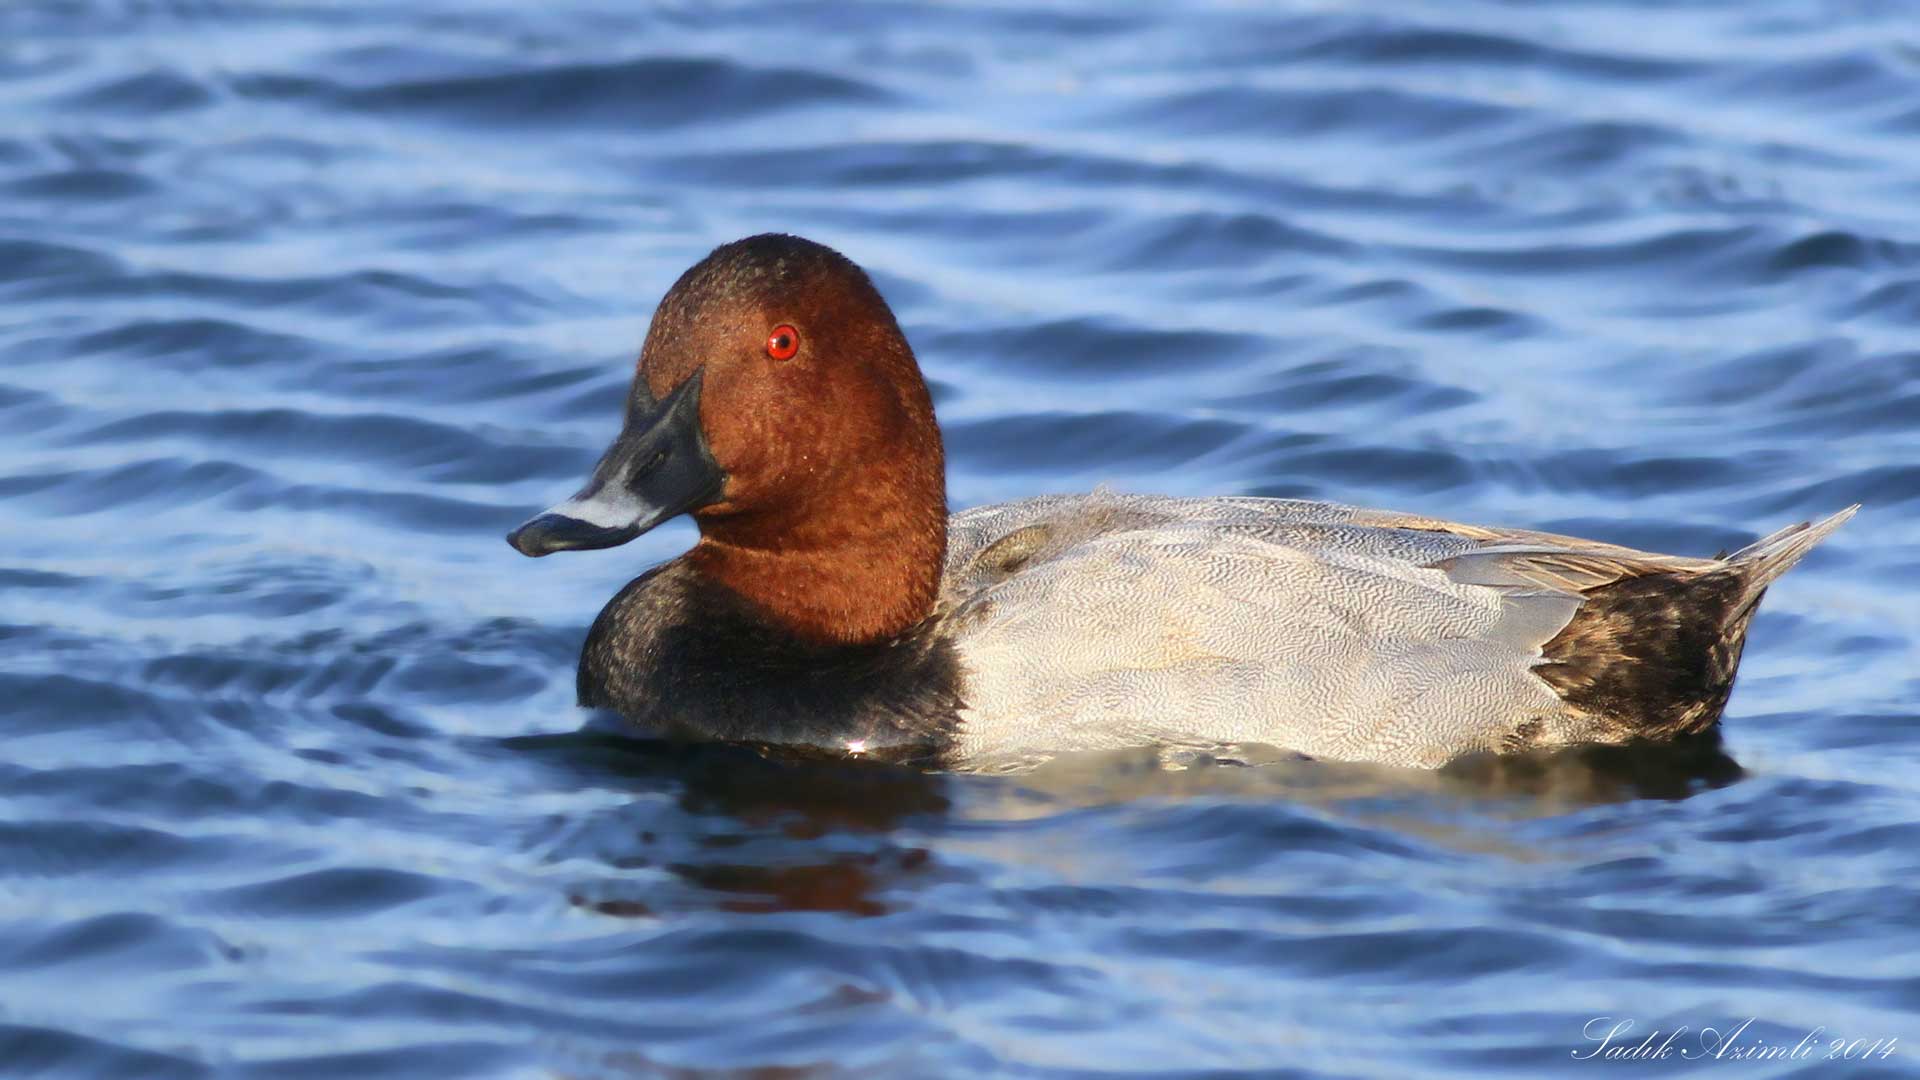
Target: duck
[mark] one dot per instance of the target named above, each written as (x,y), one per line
(832,604)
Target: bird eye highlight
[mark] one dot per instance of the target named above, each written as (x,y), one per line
(783,343)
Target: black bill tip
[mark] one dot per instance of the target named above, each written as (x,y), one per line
(549,533)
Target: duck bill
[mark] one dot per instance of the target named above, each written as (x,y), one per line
(659,467)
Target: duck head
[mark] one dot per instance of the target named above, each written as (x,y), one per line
(778,403)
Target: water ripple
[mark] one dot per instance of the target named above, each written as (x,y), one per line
(655,91)
(304,306)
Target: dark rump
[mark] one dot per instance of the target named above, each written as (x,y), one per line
(1653,657)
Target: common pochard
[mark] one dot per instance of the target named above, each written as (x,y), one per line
(831,602)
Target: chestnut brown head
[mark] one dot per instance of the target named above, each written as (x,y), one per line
(777,401)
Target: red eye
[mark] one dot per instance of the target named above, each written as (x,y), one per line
(783,342)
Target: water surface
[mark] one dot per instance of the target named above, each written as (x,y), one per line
(303,306)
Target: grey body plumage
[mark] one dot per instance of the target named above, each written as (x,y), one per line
(1099,621)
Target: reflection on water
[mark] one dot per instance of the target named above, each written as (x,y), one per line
(1666,770)
(303,306)
(769,832)
(762,833)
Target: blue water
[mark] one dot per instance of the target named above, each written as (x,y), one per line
(302,307)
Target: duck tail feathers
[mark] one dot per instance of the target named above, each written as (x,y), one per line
(1763,561)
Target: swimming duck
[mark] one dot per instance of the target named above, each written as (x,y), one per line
(832,604)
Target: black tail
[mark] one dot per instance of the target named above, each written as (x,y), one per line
(1653,656)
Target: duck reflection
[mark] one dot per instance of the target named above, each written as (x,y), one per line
(1668,770)
(1532,784)
(757,830)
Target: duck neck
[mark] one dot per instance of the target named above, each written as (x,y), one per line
(856,578)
